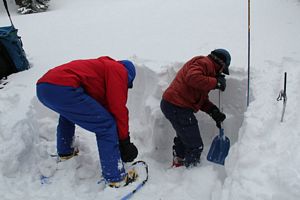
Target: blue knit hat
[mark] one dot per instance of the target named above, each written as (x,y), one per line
(131,71)
(223,55)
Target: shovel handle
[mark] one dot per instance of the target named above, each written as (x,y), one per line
(221,133)
(221,110)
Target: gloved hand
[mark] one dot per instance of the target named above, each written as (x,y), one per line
(128,151)
(218,116)
(221,83)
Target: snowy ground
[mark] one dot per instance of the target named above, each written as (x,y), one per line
(159,36)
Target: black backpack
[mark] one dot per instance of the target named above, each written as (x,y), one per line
(12,55)
(7,66)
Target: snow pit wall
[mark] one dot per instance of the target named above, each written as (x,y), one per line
(151,130)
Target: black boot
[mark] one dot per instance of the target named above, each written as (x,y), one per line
(192,156)
(178,153)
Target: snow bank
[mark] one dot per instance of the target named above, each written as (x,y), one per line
(265,162)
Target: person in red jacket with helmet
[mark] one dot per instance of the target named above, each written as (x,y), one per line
(186,95)
(92,94)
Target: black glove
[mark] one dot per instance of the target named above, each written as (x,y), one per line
(217,115)
(221,82)
(128,151)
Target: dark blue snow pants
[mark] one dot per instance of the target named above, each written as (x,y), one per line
(188,142)
(76,107)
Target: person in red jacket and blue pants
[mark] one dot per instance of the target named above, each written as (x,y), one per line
(186,95)
(92,94)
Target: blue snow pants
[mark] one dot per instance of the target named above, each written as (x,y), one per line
(188,142)
(76,107)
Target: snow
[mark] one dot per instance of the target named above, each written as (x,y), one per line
(159,36)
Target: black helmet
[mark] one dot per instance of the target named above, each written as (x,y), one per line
(223,55)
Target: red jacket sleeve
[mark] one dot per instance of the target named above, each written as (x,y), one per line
(207,105)
(116,94)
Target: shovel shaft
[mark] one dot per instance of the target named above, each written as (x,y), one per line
(221,133)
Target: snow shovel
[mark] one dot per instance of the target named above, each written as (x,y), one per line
(219,147)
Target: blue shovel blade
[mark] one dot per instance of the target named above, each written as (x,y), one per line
(219,149)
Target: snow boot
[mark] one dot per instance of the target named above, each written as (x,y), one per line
(64,157)
(192,157)
(177,162)
(130,177)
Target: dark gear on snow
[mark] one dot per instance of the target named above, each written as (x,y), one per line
(223,58)
(218,116)
(32,6)
(128,150)
(221,83)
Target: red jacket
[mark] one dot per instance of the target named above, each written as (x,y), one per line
(192,84)
(103,78)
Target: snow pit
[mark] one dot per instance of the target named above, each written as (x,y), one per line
(153,131)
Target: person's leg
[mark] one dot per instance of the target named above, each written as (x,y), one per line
(186,126)
(79,108)
(178,147)
(65,136)
(178,152)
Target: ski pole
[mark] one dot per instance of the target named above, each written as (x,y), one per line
(282,96)
(248,88)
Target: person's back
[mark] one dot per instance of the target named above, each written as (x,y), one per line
(97,76)
(191,86)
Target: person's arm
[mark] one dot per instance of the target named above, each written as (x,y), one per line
(117,91)
(116,96)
